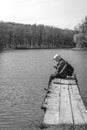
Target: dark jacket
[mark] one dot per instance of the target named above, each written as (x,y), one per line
(64,69)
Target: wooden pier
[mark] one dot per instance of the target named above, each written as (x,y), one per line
(63,103)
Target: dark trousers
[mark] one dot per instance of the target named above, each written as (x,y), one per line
(52,76)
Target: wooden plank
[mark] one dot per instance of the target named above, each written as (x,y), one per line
(53,89)
(53,92)
(51,117)
(52,112)
(72,82)
(65,108)
(54,86)
(77,116)
(56,80)
(68,81)
(53,105)
(64,81)
(51,101)
(80,103)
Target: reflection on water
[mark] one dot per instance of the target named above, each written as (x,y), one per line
(23,76)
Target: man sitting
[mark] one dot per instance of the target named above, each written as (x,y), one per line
(63,68)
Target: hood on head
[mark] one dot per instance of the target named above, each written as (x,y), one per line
(57,57)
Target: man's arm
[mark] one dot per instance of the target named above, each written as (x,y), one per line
(55,67)
(60,66)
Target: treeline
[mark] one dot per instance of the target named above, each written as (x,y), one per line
(13,35)
(80,38)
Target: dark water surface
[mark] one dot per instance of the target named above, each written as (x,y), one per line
(23,76)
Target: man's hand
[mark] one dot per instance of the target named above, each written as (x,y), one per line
(55,67)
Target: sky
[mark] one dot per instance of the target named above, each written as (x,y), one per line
(57,13)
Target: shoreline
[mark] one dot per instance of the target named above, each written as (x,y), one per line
(36,48)
(65,48)
(79,49)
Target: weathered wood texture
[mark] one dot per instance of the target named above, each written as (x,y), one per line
(63,104)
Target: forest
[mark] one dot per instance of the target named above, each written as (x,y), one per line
(80,37)
(26,36)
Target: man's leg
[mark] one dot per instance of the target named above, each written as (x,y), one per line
(52,76)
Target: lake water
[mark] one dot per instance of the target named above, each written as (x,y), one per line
(23,76)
